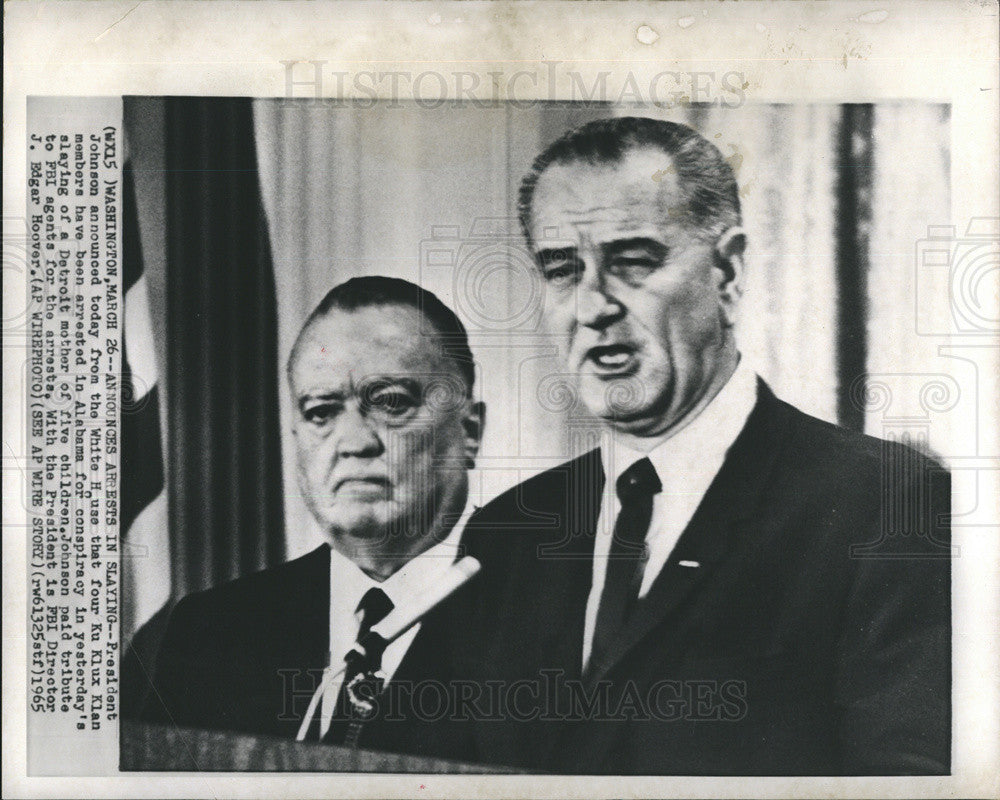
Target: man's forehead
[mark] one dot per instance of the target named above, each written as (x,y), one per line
(634,191)
(381,325)
(370,341)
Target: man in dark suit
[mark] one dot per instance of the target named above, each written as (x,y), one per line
(385,430)
(725,585)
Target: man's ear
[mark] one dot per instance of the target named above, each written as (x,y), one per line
(731,272)
(473,424)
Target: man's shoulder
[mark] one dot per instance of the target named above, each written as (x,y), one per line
(831,479)
(540,492)
(836,449)
(540,511)
(810,446)
(264,592)
(223,648)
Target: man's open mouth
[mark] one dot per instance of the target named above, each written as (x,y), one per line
(362,484)
(612,359)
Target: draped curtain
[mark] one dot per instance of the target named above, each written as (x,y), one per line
(428,195)
(207,260)
(250,210)
(832,205)
(786,163)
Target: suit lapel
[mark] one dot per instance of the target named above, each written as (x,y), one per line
(567,573)
(567,569)
(553,568)
(286,641)
(303,624)
(538,619)
(731,498)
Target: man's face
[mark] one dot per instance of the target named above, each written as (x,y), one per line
(644,307)
(383,428)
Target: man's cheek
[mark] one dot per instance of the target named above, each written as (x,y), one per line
(556,316)
(307,461)
(304,464)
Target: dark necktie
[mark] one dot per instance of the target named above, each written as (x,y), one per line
(360,683)
(627,556)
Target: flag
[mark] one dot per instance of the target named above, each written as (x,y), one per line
(146,544)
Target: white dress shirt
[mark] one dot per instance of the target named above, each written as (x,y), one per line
(686,463)
(348,584)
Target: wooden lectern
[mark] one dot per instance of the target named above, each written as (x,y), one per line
(153,748)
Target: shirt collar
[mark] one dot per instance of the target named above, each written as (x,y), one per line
(706,438)
(350,582)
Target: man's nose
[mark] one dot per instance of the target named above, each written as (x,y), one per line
(354,435)
(595,306)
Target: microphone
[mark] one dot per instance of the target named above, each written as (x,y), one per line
(396,623)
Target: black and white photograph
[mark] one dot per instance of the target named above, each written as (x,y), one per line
(625,425)
(706,551)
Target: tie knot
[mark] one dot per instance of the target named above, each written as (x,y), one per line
(638,480)
(374,607)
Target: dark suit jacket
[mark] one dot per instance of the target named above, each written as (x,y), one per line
(247,655)
(813,637)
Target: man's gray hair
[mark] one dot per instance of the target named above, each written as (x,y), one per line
(711,202)
(377,291)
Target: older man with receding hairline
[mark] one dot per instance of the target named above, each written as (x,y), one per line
(695,596)
(386,429)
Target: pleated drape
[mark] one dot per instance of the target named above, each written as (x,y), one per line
(389,189)
(785,161)
(224,461)
(428,195)
(832,218)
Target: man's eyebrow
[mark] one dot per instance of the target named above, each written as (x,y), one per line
(409,382)
(547,254)
(635,243)
(310,397)
(368,384)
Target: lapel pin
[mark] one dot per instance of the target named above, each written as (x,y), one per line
(692,564)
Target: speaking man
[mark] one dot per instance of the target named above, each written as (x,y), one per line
(695,596)
(385,431)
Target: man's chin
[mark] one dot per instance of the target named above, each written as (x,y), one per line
(621,402)
(642,421)
(360,521)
